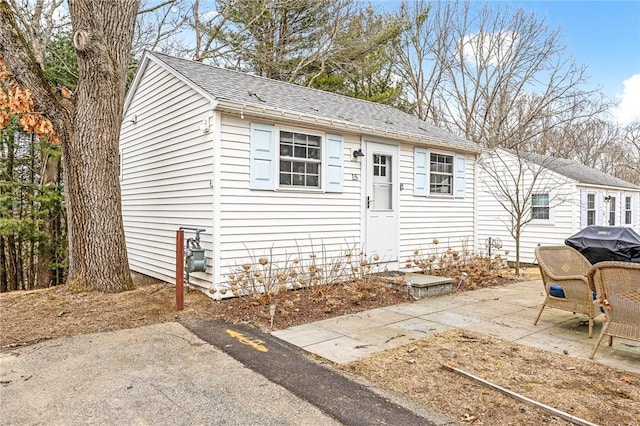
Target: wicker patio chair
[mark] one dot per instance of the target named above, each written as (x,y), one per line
(566,267)
(618,287)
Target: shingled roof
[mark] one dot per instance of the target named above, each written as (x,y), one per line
(246,89)
(576,171)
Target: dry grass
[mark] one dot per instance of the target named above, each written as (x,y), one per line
(591,391)
(600,394)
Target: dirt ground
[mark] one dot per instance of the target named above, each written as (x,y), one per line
(588,390)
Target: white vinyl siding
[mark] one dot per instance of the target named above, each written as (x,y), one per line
(284,223)
(494,221)
(423,219)
(166,172)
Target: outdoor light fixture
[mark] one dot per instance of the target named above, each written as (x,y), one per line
(205,125)
(358,153)
(607,198)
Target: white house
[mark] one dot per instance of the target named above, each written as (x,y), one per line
(275,169)
(558,197)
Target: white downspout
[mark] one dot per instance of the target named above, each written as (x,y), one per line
(217,200)
(475,201)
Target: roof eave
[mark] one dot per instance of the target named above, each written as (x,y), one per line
(608,187)
(277,113)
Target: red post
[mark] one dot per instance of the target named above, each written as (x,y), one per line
(179,270)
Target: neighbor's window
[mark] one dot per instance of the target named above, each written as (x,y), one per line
(627,210)
(540,206)
(441,174)
(612,211)
(299,160)
(591,209)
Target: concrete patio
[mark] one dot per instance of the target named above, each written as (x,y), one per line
(504,312)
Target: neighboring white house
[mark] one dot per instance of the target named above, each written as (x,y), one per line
(558,196)
(274,169)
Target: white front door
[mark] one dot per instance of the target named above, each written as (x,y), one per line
(381,233)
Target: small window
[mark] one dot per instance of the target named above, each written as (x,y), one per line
(627,210)
(591,209)
(441,174)
(299,160)
(540,206)
(612,211)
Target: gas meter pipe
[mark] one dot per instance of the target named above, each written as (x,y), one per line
(179,269)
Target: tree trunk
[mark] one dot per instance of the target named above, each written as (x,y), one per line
(88,126)
(4,285)
(46,249)
(517,241)
(103,33)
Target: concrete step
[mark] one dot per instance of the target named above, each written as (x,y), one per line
(420,285)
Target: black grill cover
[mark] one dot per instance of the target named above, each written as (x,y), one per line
(600,243)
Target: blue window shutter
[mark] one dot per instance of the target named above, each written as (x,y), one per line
(263,157)
(583,208)
(420,171)
(333,163)
(460,187)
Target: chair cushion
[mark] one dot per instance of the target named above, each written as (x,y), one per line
(556,291)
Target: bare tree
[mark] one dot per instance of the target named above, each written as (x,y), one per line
(514,179)
(88,125)
(419,55)
(37,19)
(159,26)
(629,159)
(488,73)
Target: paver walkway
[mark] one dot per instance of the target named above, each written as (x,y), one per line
(504,312)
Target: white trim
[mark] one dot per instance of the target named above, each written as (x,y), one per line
(217,198)
(279,114)
(453,156)
(147,57)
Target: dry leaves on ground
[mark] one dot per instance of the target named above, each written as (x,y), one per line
(585,389)
(32,316)
(589,390)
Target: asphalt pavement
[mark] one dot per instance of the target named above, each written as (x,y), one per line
(198,373)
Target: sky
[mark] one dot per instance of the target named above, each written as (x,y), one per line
(605,36)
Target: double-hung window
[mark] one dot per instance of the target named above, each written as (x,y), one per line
(437,173)
(591,209)
(288,159)
(612,211)
(627,210)
(299,160)
(540,206)
(441,174)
